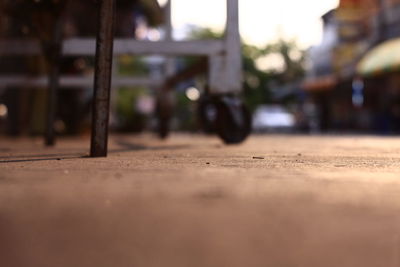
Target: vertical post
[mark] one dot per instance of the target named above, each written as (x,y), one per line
(225,70)
(169,64)
(53,85)
(165,99)
(233,47)
(53,49)
(102,79)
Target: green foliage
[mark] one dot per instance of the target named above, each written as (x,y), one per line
(129,118)
(256,81)
(293,57)
(129,65)
(204,34)
(259,83)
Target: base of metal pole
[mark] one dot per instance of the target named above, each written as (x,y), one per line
(102,80)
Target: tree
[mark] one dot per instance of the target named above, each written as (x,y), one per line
(258,81)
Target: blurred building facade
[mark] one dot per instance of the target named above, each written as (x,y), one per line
(347,99)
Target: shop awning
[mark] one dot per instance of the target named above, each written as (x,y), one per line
(381,59)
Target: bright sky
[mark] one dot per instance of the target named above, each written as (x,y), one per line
(261,21)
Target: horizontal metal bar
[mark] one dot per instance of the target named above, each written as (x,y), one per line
(19,47)
(87,47)
(204,47)
(74,81)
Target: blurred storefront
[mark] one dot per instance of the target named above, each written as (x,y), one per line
(348,97)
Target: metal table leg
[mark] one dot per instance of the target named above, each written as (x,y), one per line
(102,80)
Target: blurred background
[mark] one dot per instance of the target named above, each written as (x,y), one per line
(309,66)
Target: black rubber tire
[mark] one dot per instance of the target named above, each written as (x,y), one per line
(163,128)
(163,115)
(233,120)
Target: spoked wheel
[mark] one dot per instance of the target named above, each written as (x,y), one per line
(233,120)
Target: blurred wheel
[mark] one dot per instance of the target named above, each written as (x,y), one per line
(164,109)
(233,120)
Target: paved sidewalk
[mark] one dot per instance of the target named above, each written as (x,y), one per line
(276,201)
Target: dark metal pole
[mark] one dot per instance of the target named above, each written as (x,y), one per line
(51,102)
(102,79)
(53,50)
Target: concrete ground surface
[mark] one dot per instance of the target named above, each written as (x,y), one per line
(276,200)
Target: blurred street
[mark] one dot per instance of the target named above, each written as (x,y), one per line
(276,200)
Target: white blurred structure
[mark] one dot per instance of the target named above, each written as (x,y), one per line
(272,118)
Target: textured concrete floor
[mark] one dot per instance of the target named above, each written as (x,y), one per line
(190,201)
